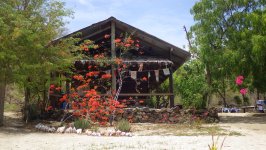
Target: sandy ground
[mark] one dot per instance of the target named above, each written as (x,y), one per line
(14,135)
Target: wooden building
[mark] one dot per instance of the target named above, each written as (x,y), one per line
(157,64)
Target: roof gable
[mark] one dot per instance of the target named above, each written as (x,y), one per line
(156,46)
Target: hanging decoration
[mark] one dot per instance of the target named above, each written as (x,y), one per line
(156,75)
(140,67)
(166,71)
(133,74)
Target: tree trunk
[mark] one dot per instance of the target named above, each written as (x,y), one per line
(45,97)
(224,94)
(209,82)
(258,94)
(26,103)
(2,99)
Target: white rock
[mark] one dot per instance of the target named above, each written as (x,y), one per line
(69,130)
(98,134)
(88,132)
(93,134)
(50,130)
(74,130)
(79,131)
(60,129)
(102,133)
(111,132)
(123,133)
(118,132)
(53,129)
(45,128)
(38,126)
(128,134)
(41,127)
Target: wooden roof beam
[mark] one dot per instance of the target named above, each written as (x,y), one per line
(95,33)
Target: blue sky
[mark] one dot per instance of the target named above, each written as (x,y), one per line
(162,18)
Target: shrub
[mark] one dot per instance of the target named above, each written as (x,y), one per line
(246,100)
(238,100)
(123,125)
(82,124)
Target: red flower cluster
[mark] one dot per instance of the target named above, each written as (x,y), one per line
(144,78)
(117,41)
(54,89)
(106,76)
(63,99)
(52,86)
(78,77)
(93,105)
(98,56)
(49,108)
(141,101)
(92,73)
(118,61)
(127,43)
(89,103)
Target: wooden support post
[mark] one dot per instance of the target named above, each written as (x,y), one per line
(113,55)
(171,84)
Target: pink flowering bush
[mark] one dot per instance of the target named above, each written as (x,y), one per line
(243,91)
(239,81)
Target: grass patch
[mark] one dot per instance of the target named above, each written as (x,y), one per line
(82,124)
(234,133)
(181,130)
(11,107)
(123,125)
(213,130)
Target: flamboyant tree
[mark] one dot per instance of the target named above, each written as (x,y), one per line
(90,96)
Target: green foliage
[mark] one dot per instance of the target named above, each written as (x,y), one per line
(228,38)
(82,124)
(246,101)
(238,100)
(11,107)
(33,111)
(27,54)
(190,84)
(123,125)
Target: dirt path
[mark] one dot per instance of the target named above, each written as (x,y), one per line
(252,128)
